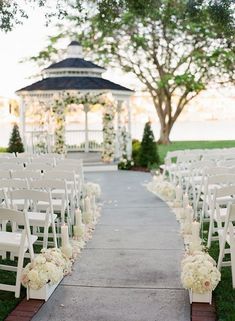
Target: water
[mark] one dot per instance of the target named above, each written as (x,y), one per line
(182,130)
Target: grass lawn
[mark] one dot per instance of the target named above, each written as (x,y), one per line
(224,294)
(180,145)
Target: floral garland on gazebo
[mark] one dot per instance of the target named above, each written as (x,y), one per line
(59,116)
(125,161)
(108,129)
(61,103)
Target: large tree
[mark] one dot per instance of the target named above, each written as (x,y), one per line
(176,48)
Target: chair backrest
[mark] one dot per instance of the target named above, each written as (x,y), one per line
(27,174)
(48,184)
(14,183)
(31,198)
(222,197)
(212,171)
(8,155)
(11,166)
(5,174)
(19,217)
(227,163)
(221,179)
(65,175)
(42,166)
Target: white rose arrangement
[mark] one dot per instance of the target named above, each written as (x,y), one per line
(48,267)
(161,188)
(92,189)
(199,273)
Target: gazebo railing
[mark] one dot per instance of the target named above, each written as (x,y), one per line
(76,140)
(42,141)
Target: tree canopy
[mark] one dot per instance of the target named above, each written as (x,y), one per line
(176,48)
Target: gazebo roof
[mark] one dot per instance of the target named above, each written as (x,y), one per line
(74,83)
(74,73)
(74,63)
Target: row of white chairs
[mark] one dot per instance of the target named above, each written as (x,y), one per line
(39,197)
(210,185)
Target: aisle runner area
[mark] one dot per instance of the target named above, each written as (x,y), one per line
(130,270)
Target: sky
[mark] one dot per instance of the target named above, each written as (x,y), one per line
(26,41)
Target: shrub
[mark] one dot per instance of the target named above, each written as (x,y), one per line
(15,142)
(148,154)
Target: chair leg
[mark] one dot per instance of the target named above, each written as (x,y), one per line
(221,253)
(54,233)
(211,228)
(45,236)
(19,272)
(232,254)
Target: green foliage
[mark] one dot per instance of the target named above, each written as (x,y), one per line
(3,149)
(148,154)
(135,151)
(181,145)
(15,12)
(15,142)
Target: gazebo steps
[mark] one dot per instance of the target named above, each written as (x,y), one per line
(100,167)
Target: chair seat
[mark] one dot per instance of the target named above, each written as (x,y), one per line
(10,240)
(38,218)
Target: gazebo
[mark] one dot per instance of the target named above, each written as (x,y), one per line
(74,75)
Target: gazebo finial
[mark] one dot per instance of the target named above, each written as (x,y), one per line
(74,50)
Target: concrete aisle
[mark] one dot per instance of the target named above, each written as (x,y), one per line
(130,270)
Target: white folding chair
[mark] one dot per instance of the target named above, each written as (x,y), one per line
(227,236)
(38,219)
(220,199)
(58,189)
(12,184)
(16,242)
(210,182)
(73,187)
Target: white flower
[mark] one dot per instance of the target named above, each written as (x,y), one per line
(199,272)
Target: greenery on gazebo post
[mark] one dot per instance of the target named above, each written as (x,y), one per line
(108,129)
(59,117)
(125,162)
(15,142)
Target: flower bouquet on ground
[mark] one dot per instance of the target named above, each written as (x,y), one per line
(200,276)
(43,274)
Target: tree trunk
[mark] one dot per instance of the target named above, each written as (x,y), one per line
(164,134)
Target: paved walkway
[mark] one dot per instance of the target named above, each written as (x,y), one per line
(130,270)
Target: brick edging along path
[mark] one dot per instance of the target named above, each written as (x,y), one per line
(25,310)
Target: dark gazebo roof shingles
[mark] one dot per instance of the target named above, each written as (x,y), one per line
(74,63)
(74,83)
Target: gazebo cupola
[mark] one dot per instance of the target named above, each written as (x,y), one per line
(74,65)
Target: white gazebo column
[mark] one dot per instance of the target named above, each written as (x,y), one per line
(86,110)
(129,147)
(22,120)
(118,133)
